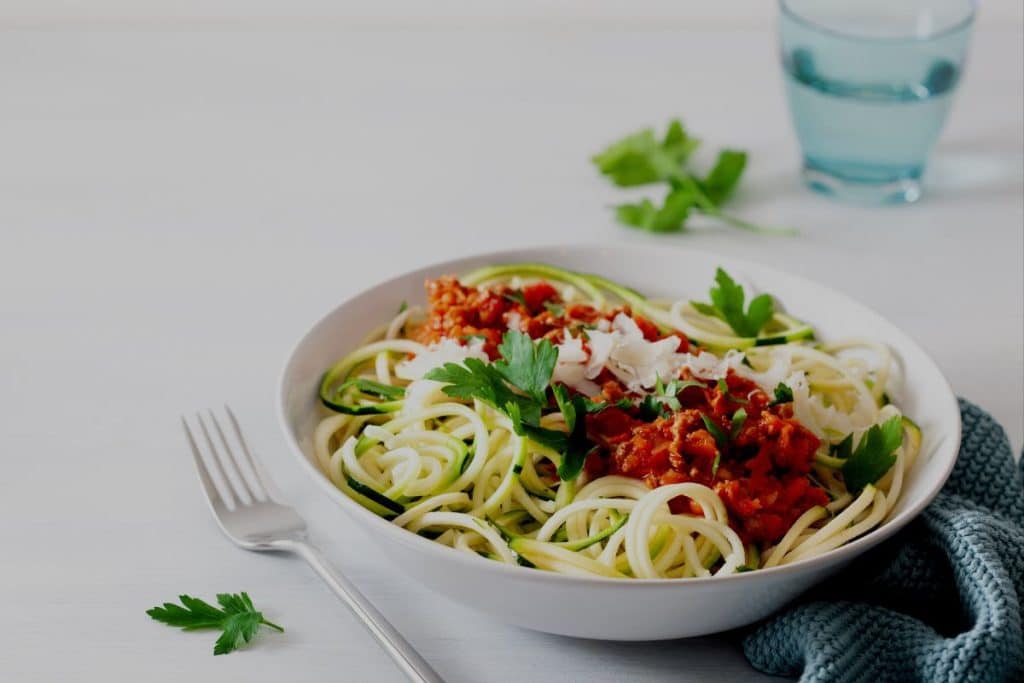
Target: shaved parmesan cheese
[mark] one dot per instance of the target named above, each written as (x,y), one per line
(636,362)
(601,345)
(708,366)
(436,355)
(571,367)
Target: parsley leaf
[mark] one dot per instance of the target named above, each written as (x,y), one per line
(639,158)
(669,217)
(475,378)
(783,394)
(738,420)
(516,297)
(723,386)
(727,301)
(843,449)
(665,398)
(526,365)
(236,617)
(551,438)
(577,445)
(725,176)
(874,455)
(721,438)
(557,310)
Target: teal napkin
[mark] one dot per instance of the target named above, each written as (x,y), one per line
(941,601)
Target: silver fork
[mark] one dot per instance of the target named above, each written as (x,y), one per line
(248,509)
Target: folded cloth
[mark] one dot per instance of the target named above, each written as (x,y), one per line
(941,601)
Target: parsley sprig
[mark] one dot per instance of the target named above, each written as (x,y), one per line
(874,456)
(665,398)
(516,384)
(642,159)
(727,304)
(236,617)
(783,394)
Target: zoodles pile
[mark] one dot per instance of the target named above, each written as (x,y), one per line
(537,416)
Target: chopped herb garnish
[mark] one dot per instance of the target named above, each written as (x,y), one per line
(557,310)
(665,399)
(783,394)
(727,300)
(721,438)
(739,418)
(403,307)
(874,455)
(516,297)
(724,388)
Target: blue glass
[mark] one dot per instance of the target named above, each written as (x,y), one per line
(870,83)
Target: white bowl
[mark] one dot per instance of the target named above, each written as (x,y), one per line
(610,608)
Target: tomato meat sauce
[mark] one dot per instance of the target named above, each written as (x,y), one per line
(761,474)
(460,312)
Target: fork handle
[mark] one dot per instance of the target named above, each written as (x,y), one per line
(405,656)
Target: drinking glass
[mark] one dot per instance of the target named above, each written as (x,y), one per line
(870,83)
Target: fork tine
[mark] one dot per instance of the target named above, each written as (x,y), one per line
(246,481)
(222,464)
(254,463)
(204,475)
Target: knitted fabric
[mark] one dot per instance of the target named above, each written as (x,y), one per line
(941,601)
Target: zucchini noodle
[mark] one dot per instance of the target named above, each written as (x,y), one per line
(461,472)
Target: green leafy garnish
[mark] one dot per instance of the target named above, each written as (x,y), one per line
(783,394)
(724,388)
(725,176)
(641,158)
(517,386)
(577,445)
(738,420)
(843,449)
(669,217)
(516,297)
(665,398)
(551,438)
(874,455)
(475,378)
(727,300)
(721,438)
(526,365)
(557,310)
(236,617)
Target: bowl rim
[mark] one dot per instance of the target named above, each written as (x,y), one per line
(847,551)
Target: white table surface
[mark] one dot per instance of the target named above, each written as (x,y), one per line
(178,204)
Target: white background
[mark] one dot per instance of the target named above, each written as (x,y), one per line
(185,187)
